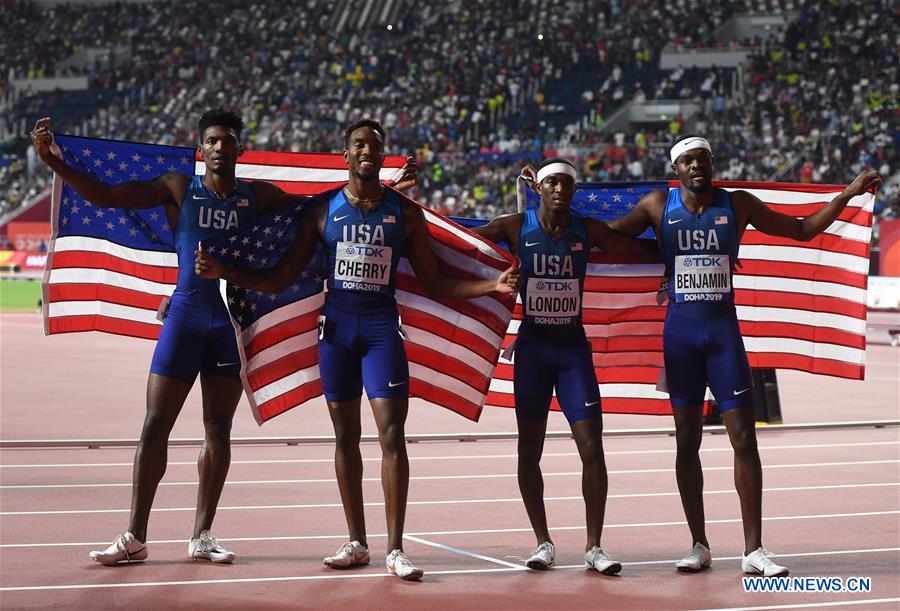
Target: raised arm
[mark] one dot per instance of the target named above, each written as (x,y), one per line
(502,229)
(438,285)
(274,279)
(166,189)
(647,213)
(600,234)
(753,211)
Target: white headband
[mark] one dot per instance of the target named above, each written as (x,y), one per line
(556,168)
(688,144)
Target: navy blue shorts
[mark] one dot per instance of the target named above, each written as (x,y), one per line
(197,337)
(545,361)
(701,351)
(362,350)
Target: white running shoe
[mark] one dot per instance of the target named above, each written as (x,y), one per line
(697,559)
(398,564)
(208,548)
(124,549)
(543,557)
(758,563)
(349,554)
(599,560)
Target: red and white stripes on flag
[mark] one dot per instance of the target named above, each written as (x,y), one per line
(801,305)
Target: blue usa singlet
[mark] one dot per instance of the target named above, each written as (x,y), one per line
(552,350)
(197,335)
(702,341)
(360,344)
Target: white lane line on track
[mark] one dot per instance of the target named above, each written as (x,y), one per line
(193,463)
(483,531)
(452,477)
(634,495)
(834,603)
(360,575)
(463,552)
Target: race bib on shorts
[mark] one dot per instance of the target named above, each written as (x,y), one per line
(362,267)
(553,301)
(702,278)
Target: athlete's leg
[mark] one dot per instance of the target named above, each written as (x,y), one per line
(390,417)
(165,398)
(741,426)
(688,470)
(348,465)
(531,480)
(588,435)
(220,398)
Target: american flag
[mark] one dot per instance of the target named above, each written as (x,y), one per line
(801,305)
(109,269)
(452,346)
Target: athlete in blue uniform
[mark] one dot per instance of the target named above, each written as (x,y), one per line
(552,350)
(197,337)
(699,229)
(365,229)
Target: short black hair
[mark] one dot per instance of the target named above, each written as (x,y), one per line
(372,124)
(547,162)
(220,116)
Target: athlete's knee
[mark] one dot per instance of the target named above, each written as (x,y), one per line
(157,427)
(347,434)
(687,441)
(218,429)
(393,438)
(744,441)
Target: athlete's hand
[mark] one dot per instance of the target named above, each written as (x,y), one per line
(207,266)
(410,177)
(508,281)
(42,138)
(864,181)
(530,176)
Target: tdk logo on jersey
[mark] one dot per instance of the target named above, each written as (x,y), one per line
(701,261)
(217,219)
(697,239)
(555,285)
(364,250)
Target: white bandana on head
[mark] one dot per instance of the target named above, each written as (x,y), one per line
(556,168)
(689,144)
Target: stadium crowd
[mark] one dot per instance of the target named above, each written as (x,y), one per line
(471,87)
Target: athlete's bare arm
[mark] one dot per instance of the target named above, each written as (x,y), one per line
(277,278)
(613,242)
(428,270)
(750,210)
(647,213)
(504,228)
(167,189)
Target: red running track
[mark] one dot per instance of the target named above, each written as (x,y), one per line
(831,504)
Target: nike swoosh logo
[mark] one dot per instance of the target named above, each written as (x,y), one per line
(218,364)
(337,219)
(671,222)
(531,243)
(394,384)
(740,392)
(202,197)
(586,404)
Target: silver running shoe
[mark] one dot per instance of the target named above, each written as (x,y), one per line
(349,554)
(757,563)
(543,557)
(599,560)
(398,564)
(207,547)
(124,549)
(697,559)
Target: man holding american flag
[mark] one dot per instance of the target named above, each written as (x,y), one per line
(197,337)
(365,229)
(699,229)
